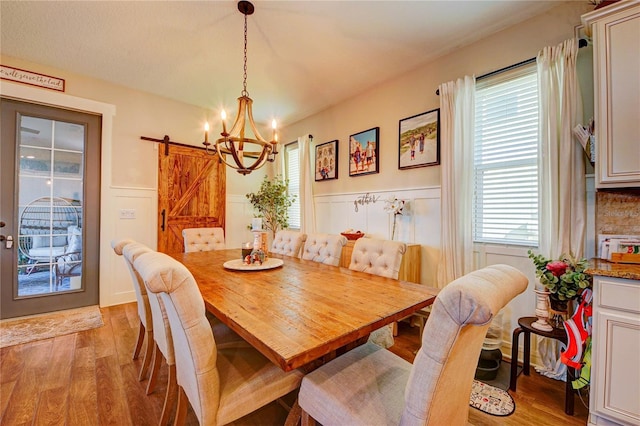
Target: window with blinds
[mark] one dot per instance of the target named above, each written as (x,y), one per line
(506,150)
(292,173)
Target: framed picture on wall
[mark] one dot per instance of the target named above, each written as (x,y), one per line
(327,161)
(363,152)
(419,140)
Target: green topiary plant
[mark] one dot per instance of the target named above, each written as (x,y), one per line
(272,203)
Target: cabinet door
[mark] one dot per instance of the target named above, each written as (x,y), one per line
(617,96)
(616,370)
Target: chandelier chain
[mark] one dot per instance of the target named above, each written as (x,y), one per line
(236,146)
(244,77)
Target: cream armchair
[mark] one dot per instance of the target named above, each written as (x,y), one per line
(288,243)
(222,384)
(324,248)
(372,386)
(203,239)
(383,258)
(69,264)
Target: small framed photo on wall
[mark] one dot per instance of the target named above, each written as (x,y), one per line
(327,161)
(363,152)
(419,140)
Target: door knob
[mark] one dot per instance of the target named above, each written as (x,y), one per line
(8,239)
(2,224)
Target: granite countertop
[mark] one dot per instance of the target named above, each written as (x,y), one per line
(617,270)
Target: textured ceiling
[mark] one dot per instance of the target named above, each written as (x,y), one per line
(303,56)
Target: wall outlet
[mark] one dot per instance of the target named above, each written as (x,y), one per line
(127,213)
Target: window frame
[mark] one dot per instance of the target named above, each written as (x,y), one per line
(480,235)
(295,207)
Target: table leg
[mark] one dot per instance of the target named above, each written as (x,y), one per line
(526,361)
(514,358)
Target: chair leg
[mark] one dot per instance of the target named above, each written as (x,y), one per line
(136,350)
(170,397)
(155,367)
(147,356)
(181,411)
(307,420)
(295,415)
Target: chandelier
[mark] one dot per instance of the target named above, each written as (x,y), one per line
(236,146)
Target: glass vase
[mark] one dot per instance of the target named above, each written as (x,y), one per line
(558,312)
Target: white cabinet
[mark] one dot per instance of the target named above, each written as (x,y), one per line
(615,370)
(615,31)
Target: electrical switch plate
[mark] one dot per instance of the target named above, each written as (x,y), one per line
(127,213)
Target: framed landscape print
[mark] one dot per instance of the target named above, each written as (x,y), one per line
(419,140)
(327,161)
(363,152)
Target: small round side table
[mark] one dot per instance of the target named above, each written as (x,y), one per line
(558,334)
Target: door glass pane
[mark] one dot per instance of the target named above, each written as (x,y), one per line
(67,164)
(35,132)
(50,203)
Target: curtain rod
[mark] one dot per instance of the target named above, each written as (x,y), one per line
(581,43)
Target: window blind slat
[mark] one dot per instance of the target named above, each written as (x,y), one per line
(505,205)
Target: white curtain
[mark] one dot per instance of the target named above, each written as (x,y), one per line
(307,208)
(457,121)
(563,185)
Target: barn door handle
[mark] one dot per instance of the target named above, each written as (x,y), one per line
(163,216)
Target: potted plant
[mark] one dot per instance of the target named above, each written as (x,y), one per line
(564,279)
(272,203)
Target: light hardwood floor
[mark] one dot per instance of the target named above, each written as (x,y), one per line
(89,378)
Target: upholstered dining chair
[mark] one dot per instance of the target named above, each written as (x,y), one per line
(369,385)
(383,258)
(221,384)
(145,329)
(203,239)
(162,343)
(158,330)
(288,243)
(324,248)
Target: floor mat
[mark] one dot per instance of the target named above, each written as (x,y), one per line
(16,331)
(491,400)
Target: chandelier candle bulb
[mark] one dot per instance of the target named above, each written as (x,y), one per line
(223,116)
(274,127)
(206,132)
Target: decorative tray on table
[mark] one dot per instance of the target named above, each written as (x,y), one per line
(239,265)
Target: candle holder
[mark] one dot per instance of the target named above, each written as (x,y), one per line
(246,249)
(542,311)
(260,241)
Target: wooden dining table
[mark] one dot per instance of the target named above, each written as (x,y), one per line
(302,313)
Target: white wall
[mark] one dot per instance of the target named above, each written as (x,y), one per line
(413,93)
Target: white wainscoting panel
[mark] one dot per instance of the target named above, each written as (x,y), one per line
(419,223)
(116,286)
